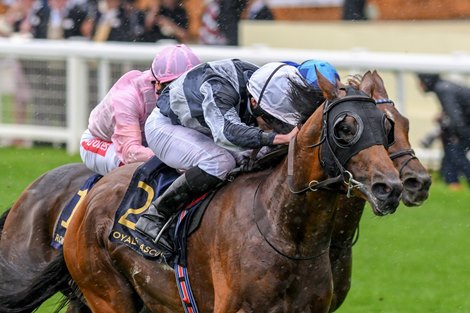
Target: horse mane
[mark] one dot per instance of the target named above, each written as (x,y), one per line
(354,80)
(301,95)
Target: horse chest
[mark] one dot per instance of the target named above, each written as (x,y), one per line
(288,288)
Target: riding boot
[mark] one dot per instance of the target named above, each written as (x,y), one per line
(185,189)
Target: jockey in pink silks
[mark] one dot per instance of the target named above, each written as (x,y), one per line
(115,134)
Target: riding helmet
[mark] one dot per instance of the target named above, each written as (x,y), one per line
(172,61)
(307,70)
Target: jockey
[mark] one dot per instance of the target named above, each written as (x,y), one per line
(210,114)
(115,134)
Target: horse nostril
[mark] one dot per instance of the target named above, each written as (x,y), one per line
(417,183)
(384,191)
(427,182)
(412,184)
(381,190)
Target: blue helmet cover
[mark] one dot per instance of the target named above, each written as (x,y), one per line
(291,63)
(307,70)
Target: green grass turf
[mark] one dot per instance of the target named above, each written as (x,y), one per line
(416,260)
(19,167)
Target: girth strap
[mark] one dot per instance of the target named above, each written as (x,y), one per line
(182,281)
(184,288)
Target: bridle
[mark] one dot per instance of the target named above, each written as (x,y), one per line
(401,153)
(343,176)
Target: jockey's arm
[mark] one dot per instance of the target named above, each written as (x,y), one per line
(127,135)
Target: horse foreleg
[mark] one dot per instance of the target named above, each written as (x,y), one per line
(341,266)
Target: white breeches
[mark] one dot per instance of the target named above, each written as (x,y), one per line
(183,148)
(97,154)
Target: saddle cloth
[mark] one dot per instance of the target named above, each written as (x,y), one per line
(149,181)
(67,212)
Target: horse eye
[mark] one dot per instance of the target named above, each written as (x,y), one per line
(345,130)
(389,127)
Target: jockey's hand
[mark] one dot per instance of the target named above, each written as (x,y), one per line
(248,165)
(284,139)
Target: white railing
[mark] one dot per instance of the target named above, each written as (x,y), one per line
(77,55)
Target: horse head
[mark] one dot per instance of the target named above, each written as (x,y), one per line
(414,176)
(352,146)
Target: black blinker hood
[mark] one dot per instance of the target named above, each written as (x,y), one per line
(371,129)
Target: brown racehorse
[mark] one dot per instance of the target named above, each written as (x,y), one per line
(416,184)
(40,205)
(263,244)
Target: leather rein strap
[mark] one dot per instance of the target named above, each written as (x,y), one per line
(346,177)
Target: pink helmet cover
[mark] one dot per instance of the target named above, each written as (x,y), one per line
(172,61)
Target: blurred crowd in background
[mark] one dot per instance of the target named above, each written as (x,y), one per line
(452,127)
(126,20)
(98,20)
(140,20)
(156,20)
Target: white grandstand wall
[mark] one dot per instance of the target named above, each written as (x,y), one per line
(78,55)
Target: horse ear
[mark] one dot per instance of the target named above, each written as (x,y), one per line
(367,83)
(329,90)
(339,84)
(379,90)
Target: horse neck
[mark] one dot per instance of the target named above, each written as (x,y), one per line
(299,222)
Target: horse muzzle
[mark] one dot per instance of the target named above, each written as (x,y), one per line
(416,188)
(384,196)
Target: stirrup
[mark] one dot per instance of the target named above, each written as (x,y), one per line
(164,227)
(163,242)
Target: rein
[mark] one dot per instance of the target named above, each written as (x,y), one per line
(278,251)
(345,177)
